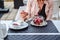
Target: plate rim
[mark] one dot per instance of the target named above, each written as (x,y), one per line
(18,28)
(38,25)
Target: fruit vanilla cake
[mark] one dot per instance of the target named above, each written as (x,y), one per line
(38,20)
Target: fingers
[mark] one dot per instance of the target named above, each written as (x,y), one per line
(23,14)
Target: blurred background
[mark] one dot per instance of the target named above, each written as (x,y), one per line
(14,5)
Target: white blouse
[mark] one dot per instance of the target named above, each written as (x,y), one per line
(32,8)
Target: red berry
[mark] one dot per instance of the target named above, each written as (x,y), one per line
(38,20)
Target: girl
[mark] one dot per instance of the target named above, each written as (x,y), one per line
(37,7)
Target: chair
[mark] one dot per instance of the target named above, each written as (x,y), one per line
(1,4)
(2,9)
(18,3)
(5,10)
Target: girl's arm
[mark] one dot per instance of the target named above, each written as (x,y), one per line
(27,11)
(49,10)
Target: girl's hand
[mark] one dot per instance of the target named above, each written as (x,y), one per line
(23,14)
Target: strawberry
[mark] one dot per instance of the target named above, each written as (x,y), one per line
(38,20)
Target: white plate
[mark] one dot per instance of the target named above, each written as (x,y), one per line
(43,24)
(24,25)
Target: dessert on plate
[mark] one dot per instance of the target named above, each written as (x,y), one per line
(18,23)
(38,20)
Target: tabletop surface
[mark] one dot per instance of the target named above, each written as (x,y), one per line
(33,37)
(50,28)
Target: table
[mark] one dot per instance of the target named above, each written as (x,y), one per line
(33,37)
(50,28)
(57,24)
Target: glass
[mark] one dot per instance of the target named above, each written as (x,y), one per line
(3,30)
(39,17)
